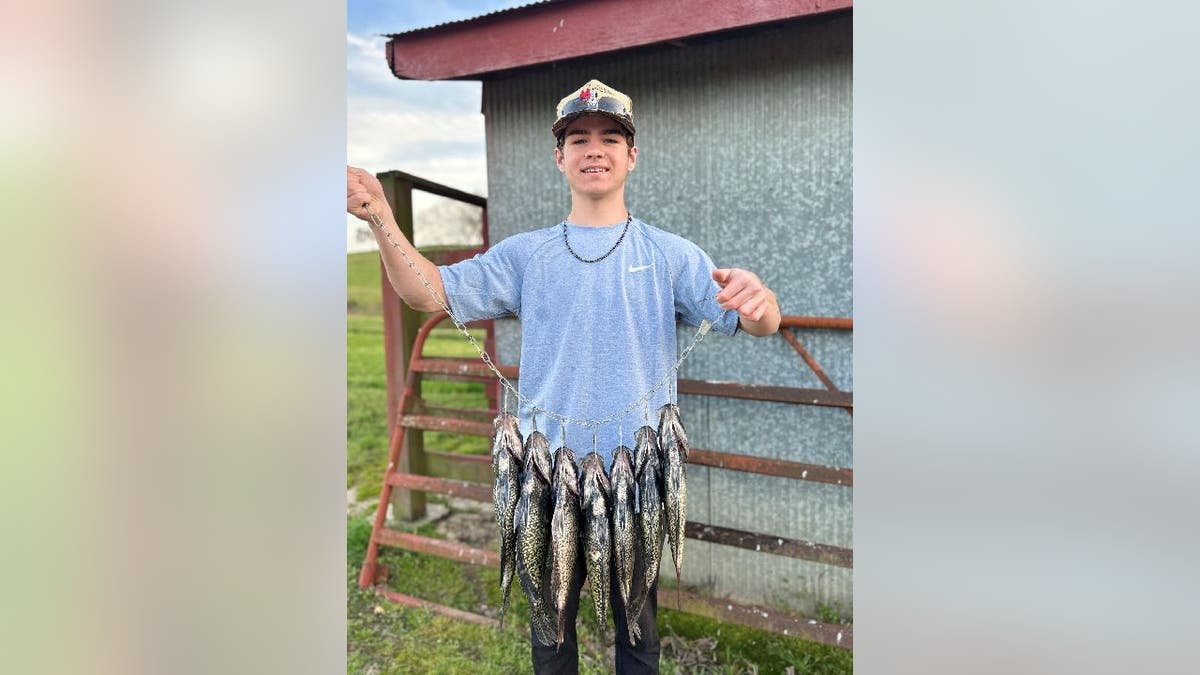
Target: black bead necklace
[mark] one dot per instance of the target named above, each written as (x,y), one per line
(628,219)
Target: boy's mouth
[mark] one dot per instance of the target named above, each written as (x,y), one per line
(595,169)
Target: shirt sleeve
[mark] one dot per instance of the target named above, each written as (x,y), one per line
(696,292)
(487,286)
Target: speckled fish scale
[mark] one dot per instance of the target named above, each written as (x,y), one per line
(532,530)
(597,533)
(673,452)
(564,533)
(507,457)
(648,474)
(624,522)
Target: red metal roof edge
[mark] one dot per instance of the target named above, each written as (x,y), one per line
(450,25)
(557,30)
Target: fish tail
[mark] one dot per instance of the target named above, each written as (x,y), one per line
(678,560)
(504,603)
(633,611)
(601,613)
(541,625)
(547,627)
(602,627)
(508,560)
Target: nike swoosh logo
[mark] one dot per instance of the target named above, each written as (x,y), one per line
(639,269)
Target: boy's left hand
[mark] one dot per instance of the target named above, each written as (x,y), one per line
(742,291)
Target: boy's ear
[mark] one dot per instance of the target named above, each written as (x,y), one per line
(558,159)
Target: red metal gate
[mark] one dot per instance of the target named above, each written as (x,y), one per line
(410,473)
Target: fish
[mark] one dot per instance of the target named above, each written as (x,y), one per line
(594,491)
(532,532)
(564,533)
(648,474)
(507,456)
(673,452)
(624,522)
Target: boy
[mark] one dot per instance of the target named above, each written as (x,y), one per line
(597,296)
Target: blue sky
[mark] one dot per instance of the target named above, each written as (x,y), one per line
(431,129)
(399,15)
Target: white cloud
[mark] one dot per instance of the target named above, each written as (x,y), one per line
(366,61)
(413,126)
(418,127)
(434,130)
(453,145)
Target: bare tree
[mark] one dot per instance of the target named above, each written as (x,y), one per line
(448,223)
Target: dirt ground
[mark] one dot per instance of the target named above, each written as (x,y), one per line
(461,520)
(469,522)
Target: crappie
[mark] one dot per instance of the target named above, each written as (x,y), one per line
(648,474)
(564,533)
(673,451)
(532,532)
(594,491)
(624,523)
(506,466)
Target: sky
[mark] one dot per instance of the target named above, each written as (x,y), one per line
(429,129)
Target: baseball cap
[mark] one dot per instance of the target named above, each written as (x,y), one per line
(594,97)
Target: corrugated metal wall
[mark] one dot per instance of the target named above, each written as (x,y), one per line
(744,149)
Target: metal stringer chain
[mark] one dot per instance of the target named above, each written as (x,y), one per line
(643,401)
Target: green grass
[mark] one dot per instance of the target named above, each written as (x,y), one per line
(366,381)
(362,283)
(396,639)
(386,638)
(383,637)
(366,405)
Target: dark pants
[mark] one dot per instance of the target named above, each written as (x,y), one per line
(641,657)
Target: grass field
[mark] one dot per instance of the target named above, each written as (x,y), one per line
(386,638)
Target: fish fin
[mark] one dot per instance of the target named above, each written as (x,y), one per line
(605,481)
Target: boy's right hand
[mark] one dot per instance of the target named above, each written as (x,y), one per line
(363,188)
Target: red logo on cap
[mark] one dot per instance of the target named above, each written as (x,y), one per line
(585,94)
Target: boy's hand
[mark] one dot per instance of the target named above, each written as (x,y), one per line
(361,188)
(742,291)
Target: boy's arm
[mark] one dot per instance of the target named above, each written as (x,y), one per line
(743,291)
(363,188)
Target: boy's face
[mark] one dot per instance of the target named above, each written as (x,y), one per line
(595,156)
